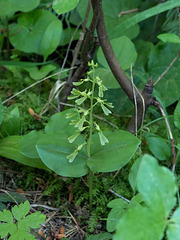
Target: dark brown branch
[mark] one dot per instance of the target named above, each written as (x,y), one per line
(86,55)
(143,99)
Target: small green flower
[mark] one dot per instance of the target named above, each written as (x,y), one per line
(78,83)
(102,138)
(80,123)
(81,100)
(72,156)
(105,110)
(70,115)
(73,137)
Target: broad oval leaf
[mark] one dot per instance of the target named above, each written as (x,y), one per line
(37,32)
(173,230)
(28,144)
(124,50)
(158,146)
(159,60)
(157,186)
(9,148)
(11,124)
(114,155)
(54,149)
(108,78)
(177,116)
(139,223)
(59,122)
(9,7)
(63,6)
(133,174)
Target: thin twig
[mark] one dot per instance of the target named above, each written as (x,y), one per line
(167,69)
(127,12)
(79,43)
(125,199)
(32,85)
(2,190)
(81,231)
(158,104)
(44,206)
(67,52)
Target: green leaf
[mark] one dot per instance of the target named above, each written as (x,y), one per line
(37,74)
(131,21)
(140,223)
(54,149)
(21,211)
(160,193)
(4,197)
(177,116)
(113,156)
(11,124)
(133,174)
(6,216)
(173,230)
(9,148)
(40,32)
(21,235)
(6,228)
(119,207)
(9,7)
(59,122)
(108,78)
(159,60)
(169,37)
(2,206)
(63,6)
(28,144)
(111,10)
(31,221)
(51,38)
(158,146)
(100,236)
(1,112)
(124,50)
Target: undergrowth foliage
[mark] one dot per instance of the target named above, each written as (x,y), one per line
(18,223)
(73,144)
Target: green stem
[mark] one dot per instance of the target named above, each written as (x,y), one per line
(90,139)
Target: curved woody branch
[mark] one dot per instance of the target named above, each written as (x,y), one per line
(143,98)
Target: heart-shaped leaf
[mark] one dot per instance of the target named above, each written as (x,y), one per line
(9,7)
(114,155)
(38,32)
(54,149)
(63,6)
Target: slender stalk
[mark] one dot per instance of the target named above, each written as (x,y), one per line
(90,139)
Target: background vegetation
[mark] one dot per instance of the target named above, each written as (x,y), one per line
(85,143)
